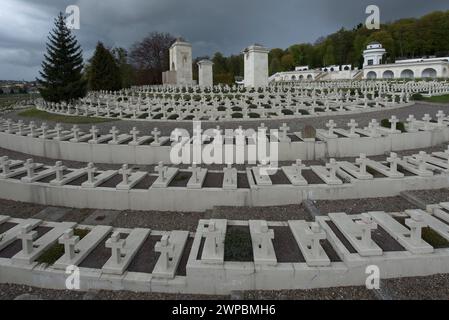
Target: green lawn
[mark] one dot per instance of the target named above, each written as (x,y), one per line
(42,115)
(7,100)
(438,99)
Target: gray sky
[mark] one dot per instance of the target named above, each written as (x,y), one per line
(210,25)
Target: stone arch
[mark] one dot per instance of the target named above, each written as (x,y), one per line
(371,75)
(309,76)
(293,78)
(388,74)
(429,73)
(407,74)
(346,68)
(301,77)
(444,71)
(332,69)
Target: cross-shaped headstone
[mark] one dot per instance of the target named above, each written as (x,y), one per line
(352,125)
(166,249)
(58,129)
(214,234)
(373,125)
(440,116)
(416,224)
(195,171)
(393,160)
(134,133)
(59,170)
(411,122)
(30,166)
(91,172)
(161,169)
(393,122)
(331,125)
(114,131)
(27,236)
(422,158)
(69,241)
(32,126)
(116,245)
(75,131)
(94,131)
(361,161)
(426,120)
(284,129)
(315,237)
(156,133)
(333,167)
(125,172)
(44,128)
(264,237)
(367,224)
(298,166)
(5,164)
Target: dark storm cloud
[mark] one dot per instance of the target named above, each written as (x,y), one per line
(226,25)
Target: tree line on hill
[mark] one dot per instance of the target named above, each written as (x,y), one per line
(64,76)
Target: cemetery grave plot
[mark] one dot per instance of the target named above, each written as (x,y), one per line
(5,226)
(213,180)
(181,271)
(181,179)
(100,255)
(428,235)
(285,246)
(146,257)
(15,247)
(146,182)
(238,244)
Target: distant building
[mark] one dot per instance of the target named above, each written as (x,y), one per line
(180,72)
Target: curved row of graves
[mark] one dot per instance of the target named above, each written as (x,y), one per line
(334,250)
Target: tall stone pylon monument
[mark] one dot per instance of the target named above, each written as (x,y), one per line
(180,72)
(256,66)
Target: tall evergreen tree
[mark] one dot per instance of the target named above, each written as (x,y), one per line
(104,73)
(61,75)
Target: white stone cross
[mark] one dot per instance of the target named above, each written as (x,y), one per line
(422,158)
(284,129)
(213,234)
(393,121)
(331,125)
(161,169)
(114,131)
(134,133)
(69,241)
(94,131)
(116,245)
(125,172)
(426,120)
(333,167)
(58,129)
(228,177)
(352,125)
(411,122)
(440,116)
(91,172)
(5,164)
(27,236)
(367,224)
(30,166)
(393,160)
(59,169)
(373,125)
(75,131)
(315,237)
(195,171)
(44,128)
(156,133)
(166,249)
(416,223)
(32,126)
(299,166)
(361,160)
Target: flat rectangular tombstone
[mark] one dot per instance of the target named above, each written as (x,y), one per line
(197,179)
(171,250)
(308,240)
(294,176)
(42,244)
(355,171)
(10,236)
(19,171)
(131,245)
(100,179)
(358,233)
(384,169)
(229,178)
(75,174)
(400,233)
(437,225)
(84,247)
(39,176)
(263,249)
(262,178)
(214,233)
(411,168)
(133,180)
(165,178)
(324,175)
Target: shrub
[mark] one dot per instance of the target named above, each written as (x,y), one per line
(417,97)
(399,126)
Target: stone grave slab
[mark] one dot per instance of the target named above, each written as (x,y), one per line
(11,235)
(123,255)
(400,233)
(171,250)
(355,171)
(100,179)
(324,175)
(169,175)
(196,182)
(42,244)
(214,233)
(101,217)
(440,227)
(294,177)
(261,179)
(39,176)
(411,168)
(52,214)
(133,180)
(75,174)
(122,138)
(229,178)
(84,247)
(308,238)
(19,171)
(383,169)
(262,241)
(357,233)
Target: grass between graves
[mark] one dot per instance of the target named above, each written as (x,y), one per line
(438,99)
(55,252)
(238,245)
(43,115)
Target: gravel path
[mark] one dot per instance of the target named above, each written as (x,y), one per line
(432,196)
(434,287)
(166,127)
(357,206)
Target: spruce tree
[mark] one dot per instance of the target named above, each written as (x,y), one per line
(61,75)
(104,73)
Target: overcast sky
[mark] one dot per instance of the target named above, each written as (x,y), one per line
(210,25)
